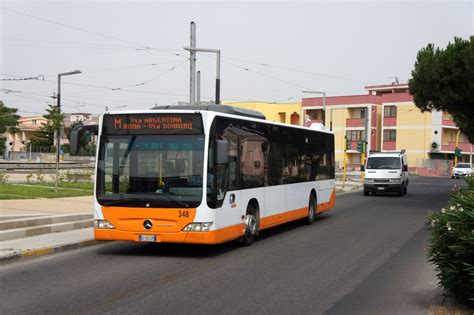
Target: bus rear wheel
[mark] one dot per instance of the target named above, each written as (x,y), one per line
(311,210)
(251,226)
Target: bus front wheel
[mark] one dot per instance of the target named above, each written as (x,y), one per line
(251,226)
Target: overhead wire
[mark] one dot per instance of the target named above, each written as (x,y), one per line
(295,70)
(265,75)
(138,45)
(65,42)
(126,67)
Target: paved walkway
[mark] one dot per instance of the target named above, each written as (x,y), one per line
(68,205)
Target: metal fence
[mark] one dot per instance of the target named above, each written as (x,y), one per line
(44,157)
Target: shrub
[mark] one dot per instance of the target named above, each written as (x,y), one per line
(28,178)
(452,244)
(40,177)
(3,178)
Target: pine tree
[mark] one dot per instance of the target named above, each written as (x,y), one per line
(45,137)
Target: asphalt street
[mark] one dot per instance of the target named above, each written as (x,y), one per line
(367,255)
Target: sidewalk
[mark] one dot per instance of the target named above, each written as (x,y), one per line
(12,250)
(37,207)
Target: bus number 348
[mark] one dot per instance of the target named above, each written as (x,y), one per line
(183,214)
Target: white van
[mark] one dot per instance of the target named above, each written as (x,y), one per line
(386,172)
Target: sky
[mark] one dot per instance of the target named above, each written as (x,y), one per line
(131,53)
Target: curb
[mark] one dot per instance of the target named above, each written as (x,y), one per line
(47,251)
(446,305)
(353,190)
(443,310)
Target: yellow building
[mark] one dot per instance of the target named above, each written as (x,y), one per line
(289,113)
(394,123)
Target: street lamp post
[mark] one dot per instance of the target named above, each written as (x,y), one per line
(324,106)
(58,132)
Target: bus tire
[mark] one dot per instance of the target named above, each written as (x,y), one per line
(251,226)
(311,210)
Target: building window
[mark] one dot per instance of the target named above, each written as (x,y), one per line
(33,121)
(355,135)
(313,114)
(358,113)
(390,111)
(282,117)
(389,135)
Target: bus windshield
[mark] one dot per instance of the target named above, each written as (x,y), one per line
(162,171)
(383,163)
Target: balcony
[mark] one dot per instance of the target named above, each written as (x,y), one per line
(448,122)
(464,146)
(313,121)
(389,121)
(355,122)
(389,145)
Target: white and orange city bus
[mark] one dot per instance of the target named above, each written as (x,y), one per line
(205,174)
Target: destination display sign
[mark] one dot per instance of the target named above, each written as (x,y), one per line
(156,124)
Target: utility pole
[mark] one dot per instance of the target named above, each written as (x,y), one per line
(457,143)
(366,142)
(58,131)
(192,62)
(198,88)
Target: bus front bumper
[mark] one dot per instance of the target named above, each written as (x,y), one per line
(211,237)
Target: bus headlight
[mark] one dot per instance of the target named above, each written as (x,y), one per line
(198,227)
(103,224)
(368,181)
(395,181)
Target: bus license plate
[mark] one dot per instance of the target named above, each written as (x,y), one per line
(380,188)
(147,238)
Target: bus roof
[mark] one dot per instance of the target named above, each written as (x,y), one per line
(226,109)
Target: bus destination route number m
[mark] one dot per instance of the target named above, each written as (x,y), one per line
(206,176)
(126,124)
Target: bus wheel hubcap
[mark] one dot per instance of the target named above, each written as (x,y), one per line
(251,224)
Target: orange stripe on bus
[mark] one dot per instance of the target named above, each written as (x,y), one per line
(325,206)
(283,217)
(164,220)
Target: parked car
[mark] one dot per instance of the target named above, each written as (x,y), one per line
(461,170)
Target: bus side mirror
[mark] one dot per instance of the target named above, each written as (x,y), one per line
(405,168)
(222,151)
(77,133)
(362,168)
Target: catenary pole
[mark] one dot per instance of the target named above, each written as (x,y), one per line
(192,62)
(198,88)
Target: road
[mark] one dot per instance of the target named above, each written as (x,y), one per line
(367,255)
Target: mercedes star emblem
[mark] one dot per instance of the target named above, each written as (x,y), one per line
(147,224)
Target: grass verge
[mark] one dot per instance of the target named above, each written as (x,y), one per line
(45,190)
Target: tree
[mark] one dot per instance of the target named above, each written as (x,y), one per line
(45,136)
(443,79)
(8,122)
(8,119)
